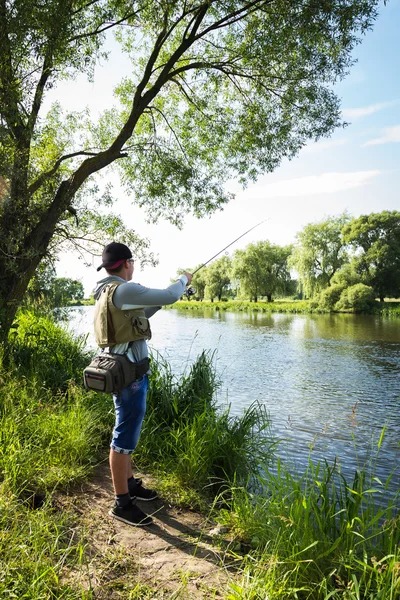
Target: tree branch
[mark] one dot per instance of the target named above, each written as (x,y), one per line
(8,83)
(189,99)
(236,16)
(100,30)
(46,175)
(38,97)
(171,129)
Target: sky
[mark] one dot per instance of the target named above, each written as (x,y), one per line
(356,170)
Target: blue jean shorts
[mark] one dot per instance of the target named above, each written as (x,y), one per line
(130,408)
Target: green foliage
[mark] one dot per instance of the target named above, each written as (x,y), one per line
(262,270)
(52,291)
(37,548)
(376,238)
(199,282)
(284,306)
(316,535)
(218,90)
(357,298)
(218,278)
(47,352)
(48,440)
(189,438)
(347,275)
(319,253)
(328,298)
(66,290)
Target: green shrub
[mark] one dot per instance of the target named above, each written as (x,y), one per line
(330,296)
(357,298)
(43,350)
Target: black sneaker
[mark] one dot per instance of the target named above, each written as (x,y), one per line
(131,514)
(139,492)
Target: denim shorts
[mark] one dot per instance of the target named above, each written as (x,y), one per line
(130,408)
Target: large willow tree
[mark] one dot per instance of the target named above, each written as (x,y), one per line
(216,90)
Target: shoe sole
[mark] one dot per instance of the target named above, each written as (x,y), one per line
(145,499)
(140,524)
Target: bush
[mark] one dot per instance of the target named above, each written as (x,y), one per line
(356,298)
(330,296)
(43,350)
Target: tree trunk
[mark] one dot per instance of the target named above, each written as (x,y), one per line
(21,251)
(269,297)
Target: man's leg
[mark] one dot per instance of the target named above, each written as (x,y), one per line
(121,469)
(130,408)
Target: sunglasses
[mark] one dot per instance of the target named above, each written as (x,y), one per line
(131,260)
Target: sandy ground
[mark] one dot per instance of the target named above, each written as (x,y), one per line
(181,555)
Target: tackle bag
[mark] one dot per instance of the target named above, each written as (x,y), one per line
(111,373)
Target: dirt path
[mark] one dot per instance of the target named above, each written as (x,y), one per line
(181,555)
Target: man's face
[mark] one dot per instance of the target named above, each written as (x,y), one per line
(130,266)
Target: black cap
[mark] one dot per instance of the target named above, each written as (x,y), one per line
(113,255)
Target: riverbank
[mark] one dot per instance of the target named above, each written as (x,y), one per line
(312,535)
(389,308)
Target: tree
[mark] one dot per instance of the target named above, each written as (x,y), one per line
(199,282)
(66,290)
(42,283)
(262,270)
(319,253)
(218,277)
(376,239)
(218,89)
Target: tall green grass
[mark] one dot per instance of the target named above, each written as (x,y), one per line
(38,548)
(311,536)
(283,306)
(52,433)
(317,536)
(194,442)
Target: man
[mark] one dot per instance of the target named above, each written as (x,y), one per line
(129,306)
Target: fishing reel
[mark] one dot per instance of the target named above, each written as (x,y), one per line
(189,291)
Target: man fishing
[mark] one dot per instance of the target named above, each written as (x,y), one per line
(129,307)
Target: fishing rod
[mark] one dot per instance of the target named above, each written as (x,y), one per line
(190,290)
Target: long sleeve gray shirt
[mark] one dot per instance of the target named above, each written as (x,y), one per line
(133,295)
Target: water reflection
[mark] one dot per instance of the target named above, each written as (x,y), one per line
(330,382)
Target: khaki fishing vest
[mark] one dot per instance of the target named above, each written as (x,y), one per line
(114,326)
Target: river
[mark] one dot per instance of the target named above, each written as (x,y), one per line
(330,382)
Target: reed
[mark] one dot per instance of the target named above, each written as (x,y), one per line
(194,442)
(317,536)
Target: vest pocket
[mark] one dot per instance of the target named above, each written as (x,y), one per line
(141,326)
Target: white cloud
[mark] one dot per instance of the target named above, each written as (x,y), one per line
(390,134)
(325,145)
(326,183)
(364,111)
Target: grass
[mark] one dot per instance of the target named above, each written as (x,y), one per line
(306,536)
(284,306)
(188,439)
(389,308)
(316,536)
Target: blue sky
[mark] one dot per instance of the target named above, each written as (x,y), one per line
(357,169)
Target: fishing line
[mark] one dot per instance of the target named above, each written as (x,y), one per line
(190,290)
(218,253)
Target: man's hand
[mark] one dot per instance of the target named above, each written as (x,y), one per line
(189,277)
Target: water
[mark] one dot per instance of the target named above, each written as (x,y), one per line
(329,382)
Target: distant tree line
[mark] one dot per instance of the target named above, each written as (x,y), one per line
(340,263)
(53,291)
